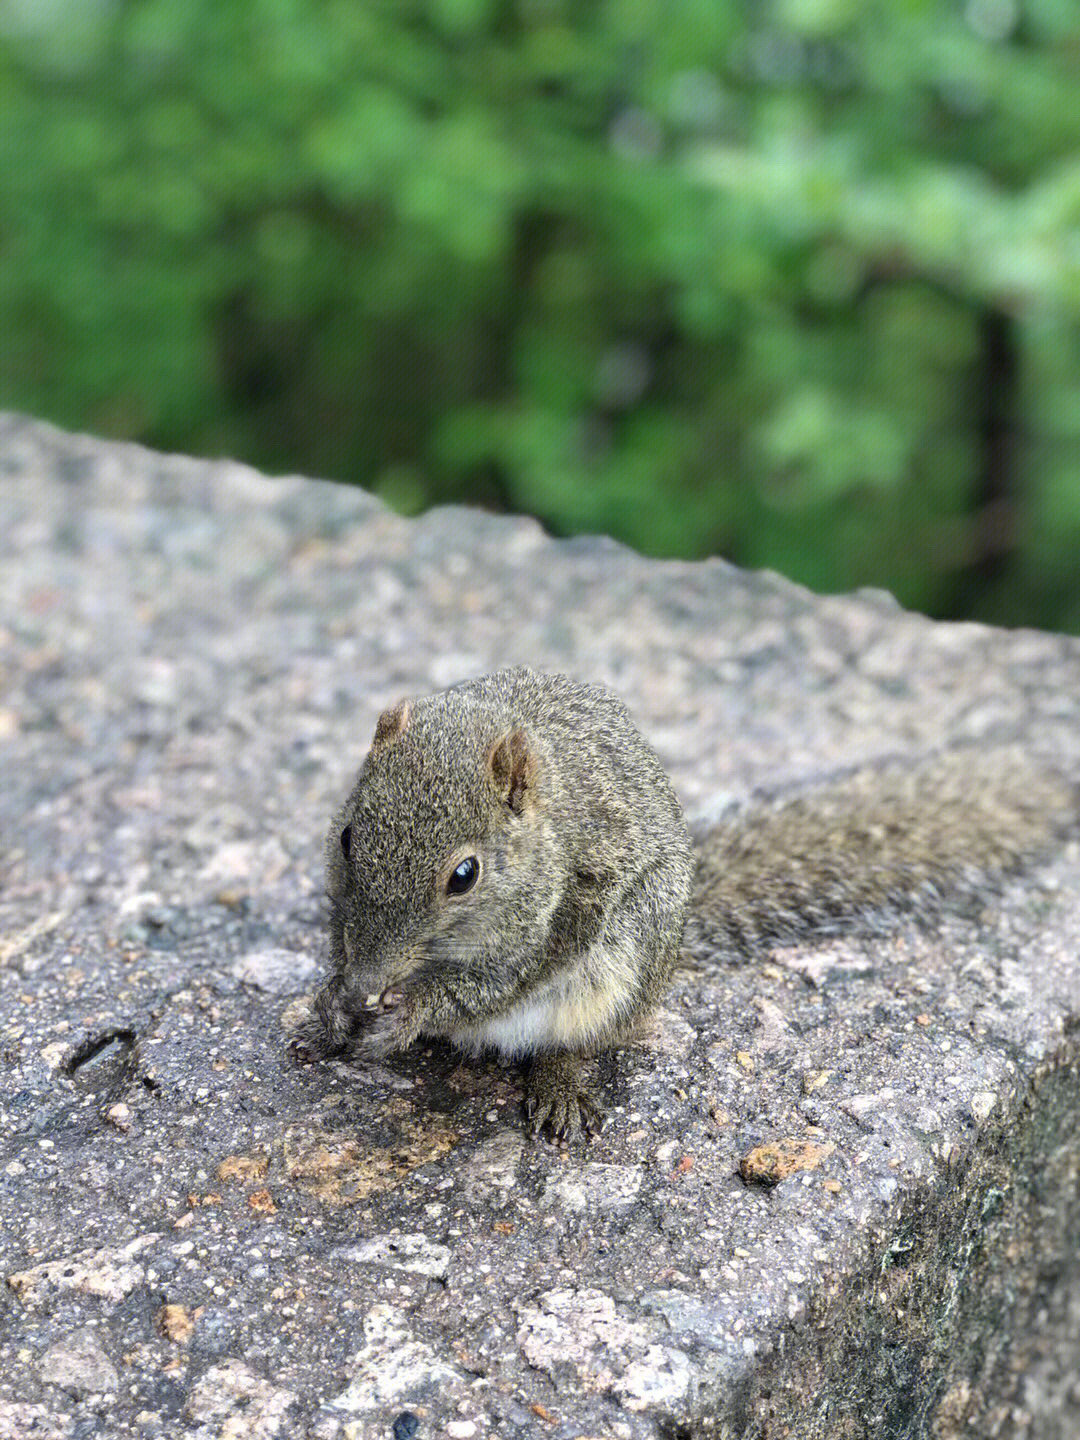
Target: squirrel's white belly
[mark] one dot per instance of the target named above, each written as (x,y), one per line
(569,1011)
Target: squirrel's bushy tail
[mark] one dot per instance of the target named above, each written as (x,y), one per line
(852,853)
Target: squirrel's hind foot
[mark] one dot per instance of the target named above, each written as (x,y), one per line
(556,1102)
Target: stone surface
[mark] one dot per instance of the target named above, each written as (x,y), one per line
(192,658)
(109,1273)
(415,1254)
(232,1402)
(78,1364)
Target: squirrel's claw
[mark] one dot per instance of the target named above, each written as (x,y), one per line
(556,1104)
(593,1118)
(567,1118)
(307,1048)
(324,1027)
(312,1041)
(299,1052)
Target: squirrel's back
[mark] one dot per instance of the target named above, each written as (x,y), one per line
(882,840)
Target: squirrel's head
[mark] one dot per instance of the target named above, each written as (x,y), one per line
(437,859)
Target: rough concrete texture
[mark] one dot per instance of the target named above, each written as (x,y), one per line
(199,1240)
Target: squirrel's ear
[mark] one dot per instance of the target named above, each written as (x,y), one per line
(512,767)
(392,724)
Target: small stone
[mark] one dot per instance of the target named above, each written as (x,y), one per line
(32,1422)
(79,1365)
(982,1105)
(326,1426)
(119,1115)
(659,1378)
(859,1106)
(815,967)
(595,1187)
(461,1429)
(275,971)
(392,1367)
(175,1323)
(140,903)
(232,1400)
(776,1161)
(490,1173)
(158,683)
(243,1168)
(413,1252)
(109,1273)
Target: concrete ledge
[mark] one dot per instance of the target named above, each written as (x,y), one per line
(199,1240)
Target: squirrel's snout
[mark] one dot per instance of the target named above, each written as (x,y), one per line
(377,968)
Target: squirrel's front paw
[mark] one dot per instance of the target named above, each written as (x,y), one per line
(392,1030)
(311,1040)
(322,1027)
(557,1103)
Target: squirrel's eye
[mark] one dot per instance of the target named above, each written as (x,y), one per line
(464,877)
(346,840)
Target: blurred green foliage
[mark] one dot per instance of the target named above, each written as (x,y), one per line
(795,281)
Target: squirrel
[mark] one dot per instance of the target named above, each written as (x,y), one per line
(513,867)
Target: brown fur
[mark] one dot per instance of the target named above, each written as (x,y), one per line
(392,723)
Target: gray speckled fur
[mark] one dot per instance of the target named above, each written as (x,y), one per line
(582,899)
